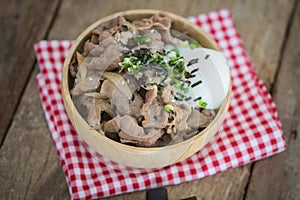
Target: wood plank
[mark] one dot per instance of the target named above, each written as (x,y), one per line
(19,30)
(219,186)
(227,185)
(261,25)
(278,177)
(40,170)
(29,163)
(99,9)
(257,38)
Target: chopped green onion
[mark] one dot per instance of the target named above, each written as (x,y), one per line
(127,19)
(202,103)
(169,108)
(142,40)
(184,44)
(154,58)
(195,45)
(184,89)
(175,60)
(174,50)
(132,64)
(174,67)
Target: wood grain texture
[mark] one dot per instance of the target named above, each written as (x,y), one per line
(29,165)
(219,186)
(278,177)
(28,162)
(262,26)
(22,24)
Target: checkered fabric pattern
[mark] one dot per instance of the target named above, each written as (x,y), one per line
(251,130)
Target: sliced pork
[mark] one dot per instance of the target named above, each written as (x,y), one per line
(168,93)
(182,112)
(119,102)
(125,83)
(131,132)
(94,113)
(153,112)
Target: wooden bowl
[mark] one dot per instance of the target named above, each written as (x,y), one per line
(141,157)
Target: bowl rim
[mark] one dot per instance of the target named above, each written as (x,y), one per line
(67,100)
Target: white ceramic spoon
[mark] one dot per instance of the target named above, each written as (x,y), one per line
(214,74)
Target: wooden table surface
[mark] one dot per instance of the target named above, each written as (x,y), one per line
(29,165)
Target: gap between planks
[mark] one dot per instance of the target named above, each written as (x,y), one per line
(282,50)
(55,13)
(283,46)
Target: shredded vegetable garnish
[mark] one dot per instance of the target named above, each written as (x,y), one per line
(142,40)
(175,50)
(202,103)
(187,44)
(132,63)
(195,45)
(170,66)
(169,108)
(129,20)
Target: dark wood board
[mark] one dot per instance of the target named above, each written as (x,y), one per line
(22,24)
(278,177)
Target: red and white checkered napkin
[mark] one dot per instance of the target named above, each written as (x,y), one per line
(250,132)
